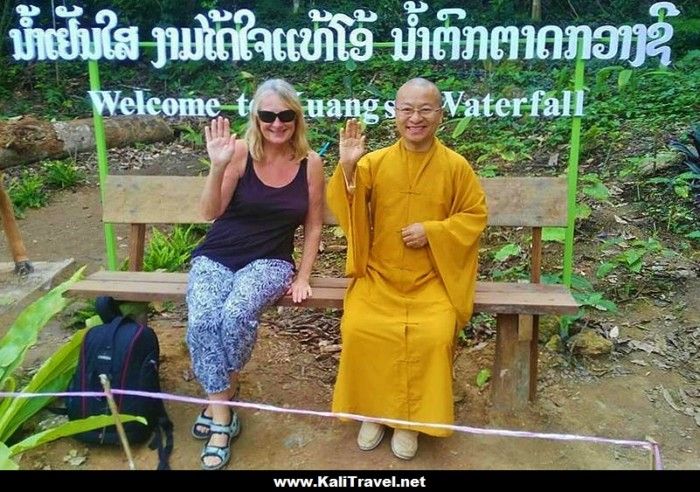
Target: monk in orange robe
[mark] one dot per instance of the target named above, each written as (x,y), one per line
(412,213)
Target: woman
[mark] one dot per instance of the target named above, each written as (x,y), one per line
(258,191)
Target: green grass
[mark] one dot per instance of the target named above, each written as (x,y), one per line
(62,174)
(28,191)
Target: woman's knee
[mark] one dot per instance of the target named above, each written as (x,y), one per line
(240,319)
(200,326)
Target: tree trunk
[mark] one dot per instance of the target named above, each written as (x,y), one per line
(28,140)
(4,24)
(536,10)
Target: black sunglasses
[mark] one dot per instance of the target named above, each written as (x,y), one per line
(285,116)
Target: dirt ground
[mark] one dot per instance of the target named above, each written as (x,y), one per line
(642,390)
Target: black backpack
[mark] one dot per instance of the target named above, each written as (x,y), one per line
(128,353)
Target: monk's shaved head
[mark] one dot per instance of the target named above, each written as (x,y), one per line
(423,85)
(418,113)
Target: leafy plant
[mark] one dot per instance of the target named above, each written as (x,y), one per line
(487,171)
(507,251)
(170,253)
(462,124)
(553,234)
(192,136)
(86,316)
(53,376)
(62,174)
(585,294)
(28,191)
(592,186)
(631,258)
(691,155)
(483,377)
(681,184)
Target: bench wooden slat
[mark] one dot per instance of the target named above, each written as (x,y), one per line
(491,297)
(178,277)
(514,202)
(526,202)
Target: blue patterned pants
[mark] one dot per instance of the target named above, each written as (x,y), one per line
(224,307)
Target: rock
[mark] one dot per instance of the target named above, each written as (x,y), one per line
(297,440)
(651,164)
(554,344)
(549,326)
(331,348)
(51,422)
(588,342)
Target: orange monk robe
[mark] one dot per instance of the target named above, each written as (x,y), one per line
(404,306)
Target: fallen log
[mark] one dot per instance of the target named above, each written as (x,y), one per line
(27,139)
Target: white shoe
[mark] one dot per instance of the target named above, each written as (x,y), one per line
(370,436)
(404,443)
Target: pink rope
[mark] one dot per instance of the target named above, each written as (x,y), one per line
(652,447)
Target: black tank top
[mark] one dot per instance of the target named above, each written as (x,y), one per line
(259,221)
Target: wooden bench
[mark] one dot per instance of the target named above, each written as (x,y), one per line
(513,202)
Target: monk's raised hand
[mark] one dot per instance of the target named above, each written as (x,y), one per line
(413,236)
(220,143)
(352,144)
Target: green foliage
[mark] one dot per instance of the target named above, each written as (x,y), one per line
(583,211)
(680,184)
(62,174)
(510,263)
(52,376)
(487,171)
(70,428)
(631,257)
(483,377)
(190,135)
(5,462)
(691,155)
(337,231)
(592,186)
(507,251)
(461,126)
(585,294)
(86,316)
(28,191)
(170,252)
(553,234)
(23,333)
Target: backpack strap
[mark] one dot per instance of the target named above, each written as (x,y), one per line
(107,307)
(104,362)
(162,436)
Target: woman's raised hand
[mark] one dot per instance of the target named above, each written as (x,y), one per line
(352,144)
(220,143)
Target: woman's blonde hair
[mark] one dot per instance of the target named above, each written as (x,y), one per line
(285,91)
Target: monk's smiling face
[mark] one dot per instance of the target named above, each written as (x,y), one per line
(418,114)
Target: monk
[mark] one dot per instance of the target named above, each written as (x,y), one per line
(412,213)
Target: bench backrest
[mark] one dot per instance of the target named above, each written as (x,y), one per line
(141,200)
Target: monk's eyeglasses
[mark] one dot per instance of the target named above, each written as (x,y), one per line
(425,112)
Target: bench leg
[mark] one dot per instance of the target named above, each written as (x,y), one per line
(511,378)
(137,244)
(533,356)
